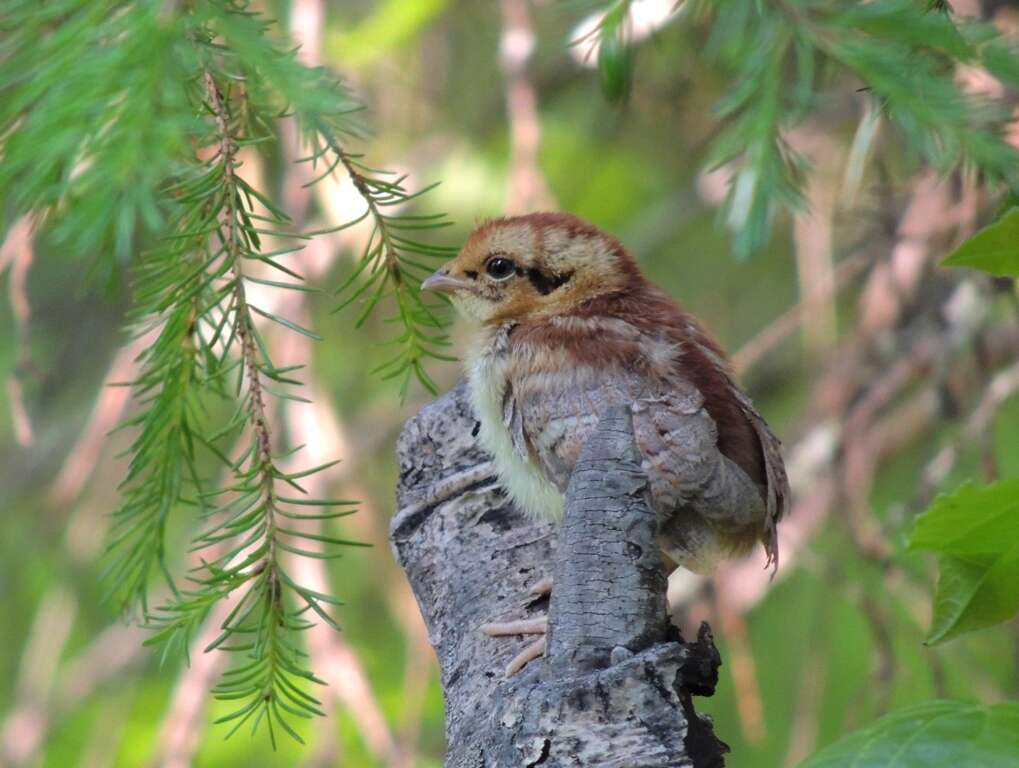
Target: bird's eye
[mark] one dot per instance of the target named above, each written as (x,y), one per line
(500,268)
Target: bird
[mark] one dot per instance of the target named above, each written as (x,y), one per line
(566,325)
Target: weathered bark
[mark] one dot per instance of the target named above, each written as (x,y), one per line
(616,684)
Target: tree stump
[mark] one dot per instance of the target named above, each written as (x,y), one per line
(616,685)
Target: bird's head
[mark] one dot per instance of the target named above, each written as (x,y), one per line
(529,266)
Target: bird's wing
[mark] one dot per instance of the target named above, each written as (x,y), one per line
(778,492)
(551,415)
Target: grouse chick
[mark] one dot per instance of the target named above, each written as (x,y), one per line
(566,326)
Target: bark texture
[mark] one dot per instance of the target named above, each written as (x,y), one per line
(616,684)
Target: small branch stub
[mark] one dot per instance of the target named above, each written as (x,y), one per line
(616,686)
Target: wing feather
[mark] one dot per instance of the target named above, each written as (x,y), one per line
(698,492)
(778,492)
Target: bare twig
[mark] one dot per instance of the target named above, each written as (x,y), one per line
(813,235)
(803,734)
(307,18)
(25,727)
(24,730)
(110,723)
(184,722)
(823,292)
(17,251)
(527,188)
(106,413)
(1003,386)
(116,649)
(744,671)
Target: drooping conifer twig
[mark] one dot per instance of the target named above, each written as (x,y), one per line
(317,426)
(394,263)
(266,620)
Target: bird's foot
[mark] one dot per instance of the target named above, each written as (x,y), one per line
(535,626)
(531,651)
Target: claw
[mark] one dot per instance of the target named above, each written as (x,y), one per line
(543,587)
(531,652)
(535,626)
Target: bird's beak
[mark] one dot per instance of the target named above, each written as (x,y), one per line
(441,282)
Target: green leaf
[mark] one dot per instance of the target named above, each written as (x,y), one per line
(975,530)
(993,249)
(971,520)
(935,734)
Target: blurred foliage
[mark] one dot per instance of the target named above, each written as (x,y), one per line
(901,53)
(386,28)
(965,734)
(429,72)
(615,56)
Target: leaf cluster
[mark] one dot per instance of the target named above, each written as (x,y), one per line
(974,531)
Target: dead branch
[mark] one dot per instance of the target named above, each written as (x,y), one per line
(615,682)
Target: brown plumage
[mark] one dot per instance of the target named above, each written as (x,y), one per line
(567,326)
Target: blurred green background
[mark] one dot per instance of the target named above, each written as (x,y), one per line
(837,638)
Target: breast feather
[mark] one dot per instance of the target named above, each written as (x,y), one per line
(523,480)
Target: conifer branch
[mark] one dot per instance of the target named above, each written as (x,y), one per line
(902,52)
(245,534)
(243,320)
(231,82)
(786,57)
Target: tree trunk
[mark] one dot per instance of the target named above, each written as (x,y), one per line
(615,686)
